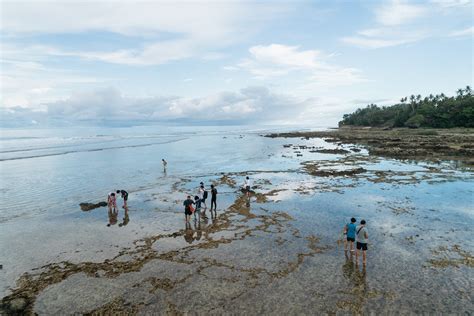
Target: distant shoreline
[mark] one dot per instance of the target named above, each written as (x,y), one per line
(401,143)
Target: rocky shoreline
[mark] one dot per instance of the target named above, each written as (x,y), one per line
(401,143)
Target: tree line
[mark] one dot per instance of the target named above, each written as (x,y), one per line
(437,111)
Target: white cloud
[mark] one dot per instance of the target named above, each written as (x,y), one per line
(370,41)
(399,22)
(26,81)
(132,18)
(287,56)
(276,60)
(465,32)
(398,12)
(249,104)
(165,30)
(246,106)
(452,3)
(230,68)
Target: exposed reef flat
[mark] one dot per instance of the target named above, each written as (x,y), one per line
(402,143)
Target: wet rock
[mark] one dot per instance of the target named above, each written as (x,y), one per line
(16,306)
(90,206)
(314,170)
(332,151)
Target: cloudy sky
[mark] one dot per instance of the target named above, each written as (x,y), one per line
(266,62)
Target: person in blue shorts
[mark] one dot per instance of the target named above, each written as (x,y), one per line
(350,232)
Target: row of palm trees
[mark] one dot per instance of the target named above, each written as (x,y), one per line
(437,98)
(415,111)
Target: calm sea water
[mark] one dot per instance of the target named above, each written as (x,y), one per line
(45,174)
(52,170)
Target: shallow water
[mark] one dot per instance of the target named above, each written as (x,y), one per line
(277,254)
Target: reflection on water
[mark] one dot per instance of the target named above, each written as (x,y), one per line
(194,232)
(355,275)
(188,233)
(126,218)
(114,215)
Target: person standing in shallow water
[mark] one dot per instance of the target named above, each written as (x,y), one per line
(203,195)
(197,202)
(188,211)
(247,185)
(124,195)
(213,199)
(362,240)
(350,232)
(112,201)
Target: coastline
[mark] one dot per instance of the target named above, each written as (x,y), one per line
(401,143)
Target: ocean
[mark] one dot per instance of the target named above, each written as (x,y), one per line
(286,240)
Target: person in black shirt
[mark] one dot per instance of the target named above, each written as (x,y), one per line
(213,198)
(124,195)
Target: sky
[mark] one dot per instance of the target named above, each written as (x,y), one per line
(225,62)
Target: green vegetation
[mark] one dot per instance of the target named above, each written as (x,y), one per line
(437,111)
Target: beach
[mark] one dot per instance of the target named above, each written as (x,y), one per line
(280,252)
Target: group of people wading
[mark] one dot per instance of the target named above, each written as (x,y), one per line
(197,206)
(199,202)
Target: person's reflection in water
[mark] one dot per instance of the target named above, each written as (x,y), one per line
(126,218)
(198,235)
(214,218)
(348,267)
(113,214)
(188,233)
(361,281)
(357,285)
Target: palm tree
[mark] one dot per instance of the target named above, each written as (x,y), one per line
(468,90)
(460,92)
(412,103)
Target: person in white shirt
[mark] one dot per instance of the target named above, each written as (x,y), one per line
(247,185)
(362,240)
(203,196)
